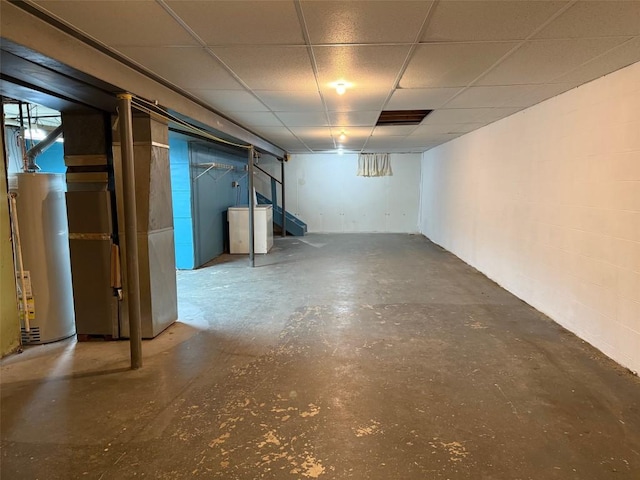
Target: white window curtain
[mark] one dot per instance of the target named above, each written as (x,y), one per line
(374,165)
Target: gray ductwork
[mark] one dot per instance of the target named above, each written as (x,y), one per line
(40,147)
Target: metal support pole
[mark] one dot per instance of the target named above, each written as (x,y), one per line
(252,260)
(284,210)
(274,193)
(130,228)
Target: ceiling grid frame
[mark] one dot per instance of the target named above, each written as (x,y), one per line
(401,54)
(514,49)
(314,64)
(210,52)
(408,58)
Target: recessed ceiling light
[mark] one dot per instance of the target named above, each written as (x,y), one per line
(342,137)
(341,86)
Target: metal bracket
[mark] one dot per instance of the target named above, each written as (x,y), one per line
(212,166)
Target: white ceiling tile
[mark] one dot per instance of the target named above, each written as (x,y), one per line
(360,100)
(544,92)
(282,137)
(364,21)
(515,96)
(420,98)
(303,119)
(404,144)
(241,23)
(426,137)
(373,67)
(451,65)
(352,143)
(355,144)
(176,64)
(468,115)
(295,146)
(270,67)
(312,133)
(130,26)
(400,150)
(436,130)
(256,119)
(275,132)
(488,20)
(320,146)
(229,100)
(355,139)
(354,118)
(352,132)
(613,60)
(541,61)
(596,19)
(262,42)
(386,142)
(495,96)
(292,100)
(393,130)
(301,148)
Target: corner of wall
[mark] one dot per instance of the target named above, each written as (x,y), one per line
(181,195)
(9,320)
(546,203)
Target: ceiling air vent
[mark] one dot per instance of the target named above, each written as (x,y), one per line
(402,117)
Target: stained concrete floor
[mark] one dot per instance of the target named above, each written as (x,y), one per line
(338,357)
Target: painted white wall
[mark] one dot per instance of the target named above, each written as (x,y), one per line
(547,203)
(324,191)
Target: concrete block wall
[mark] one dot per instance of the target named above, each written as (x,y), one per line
(324,191)
(547,203)
(181,200)
(212,195)
(200,202)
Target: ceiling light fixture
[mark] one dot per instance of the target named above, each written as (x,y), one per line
(342,137)
(341,86)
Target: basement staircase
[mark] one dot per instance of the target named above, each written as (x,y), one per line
(295,226)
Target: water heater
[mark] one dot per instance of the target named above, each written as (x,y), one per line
(44,244)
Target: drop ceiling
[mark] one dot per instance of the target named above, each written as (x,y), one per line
(272,65)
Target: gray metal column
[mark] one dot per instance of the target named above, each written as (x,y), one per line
(131,228)
(252,260)
(284,209)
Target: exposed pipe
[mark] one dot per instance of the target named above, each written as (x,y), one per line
(284,210)
(18,245)
(130,228)
(40,147)
(29,123)
(23,140)
(252,260)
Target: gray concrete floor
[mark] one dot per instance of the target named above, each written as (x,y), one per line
(339,356)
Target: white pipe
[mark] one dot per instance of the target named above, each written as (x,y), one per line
(40,147)
(23,149)
(16,231)
(23,136)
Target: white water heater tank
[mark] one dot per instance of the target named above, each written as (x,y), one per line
(44,238)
